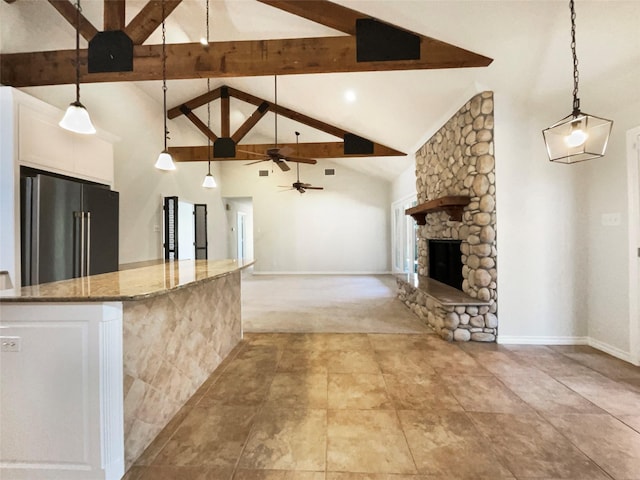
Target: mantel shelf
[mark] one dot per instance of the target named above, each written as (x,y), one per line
(453,205)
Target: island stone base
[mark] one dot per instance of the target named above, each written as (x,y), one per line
(172,344)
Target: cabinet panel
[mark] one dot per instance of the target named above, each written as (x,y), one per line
(42,142)
(93,157)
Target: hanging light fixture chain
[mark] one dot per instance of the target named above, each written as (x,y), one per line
(576,75)
(164,77)
(78,10)
(208,91)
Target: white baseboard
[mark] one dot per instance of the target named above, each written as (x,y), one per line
(517,340)
(605,347)
(321,273)
(614,351)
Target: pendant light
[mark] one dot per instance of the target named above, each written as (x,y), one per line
(76,119)
(209,181)
(164,162)
(579,136)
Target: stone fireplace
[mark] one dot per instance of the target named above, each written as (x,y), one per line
(457,163)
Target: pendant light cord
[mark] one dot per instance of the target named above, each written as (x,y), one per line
(208,103)
(576,100)
(78,9)
(164,78)
(275,87)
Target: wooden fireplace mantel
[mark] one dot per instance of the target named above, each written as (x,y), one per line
(453,205)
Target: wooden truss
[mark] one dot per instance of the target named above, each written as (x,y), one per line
(235,59)
(309,150)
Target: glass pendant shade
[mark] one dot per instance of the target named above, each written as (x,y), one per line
(165,162)
(77,120)
(209,181)
(577,137)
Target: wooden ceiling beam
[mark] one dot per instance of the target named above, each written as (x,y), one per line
(325,13)
(250,122)
(291,114)
(229,59)
(307,150)
(195,102)
(149,18)
(69,12)
(200,125)
(114,14)
(225,113)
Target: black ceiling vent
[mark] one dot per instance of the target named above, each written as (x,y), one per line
(110,51)
(355,145)
(224,147)
(263,173)
(329,171)
(380,42)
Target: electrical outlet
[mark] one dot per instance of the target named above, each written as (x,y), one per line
(10,344)
(156,228)
(610,219)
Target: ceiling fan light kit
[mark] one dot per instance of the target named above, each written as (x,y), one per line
(164,162)
(76,118)
(578,136)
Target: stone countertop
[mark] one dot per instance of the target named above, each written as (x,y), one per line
(441,292)
(133,284)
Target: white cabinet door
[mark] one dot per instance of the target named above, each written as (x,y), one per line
(93,157)
(42,142)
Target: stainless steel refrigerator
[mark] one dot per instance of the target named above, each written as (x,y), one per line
(69,229)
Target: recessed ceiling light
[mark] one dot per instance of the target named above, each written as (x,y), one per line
(350,96)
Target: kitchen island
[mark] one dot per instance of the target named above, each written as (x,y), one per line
(93,368)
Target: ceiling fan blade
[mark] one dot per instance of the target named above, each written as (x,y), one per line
(313,188)
(257,161)
(283,165)
(311,161)
(251,153)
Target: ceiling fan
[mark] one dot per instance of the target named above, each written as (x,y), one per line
(298,185)
(279,155)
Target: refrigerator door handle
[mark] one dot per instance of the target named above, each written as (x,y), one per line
(78,240)
(88,259)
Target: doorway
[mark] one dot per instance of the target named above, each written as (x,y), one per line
(242,234)
(403,237)
(633,170)
(239,227)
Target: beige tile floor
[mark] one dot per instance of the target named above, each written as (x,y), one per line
(350,406)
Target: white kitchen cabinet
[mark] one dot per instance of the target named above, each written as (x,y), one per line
(61,391)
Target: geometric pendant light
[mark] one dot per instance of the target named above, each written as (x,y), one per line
(76,119)
(578,136)
(164,162)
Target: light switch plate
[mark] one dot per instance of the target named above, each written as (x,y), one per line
(10,344)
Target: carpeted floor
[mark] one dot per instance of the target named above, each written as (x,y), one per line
(326,304)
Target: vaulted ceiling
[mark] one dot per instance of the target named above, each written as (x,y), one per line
(529,41)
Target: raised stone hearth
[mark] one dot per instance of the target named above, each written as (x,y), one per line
(459,161)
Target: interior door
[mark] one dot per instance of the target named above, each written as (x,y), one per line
(242,234)
(200,227)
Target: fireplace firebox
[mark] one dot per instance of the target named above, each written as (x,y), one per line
(445,262)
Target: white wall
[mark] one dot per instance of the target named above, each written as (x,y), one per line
(343,229)
(127,112)
(608,287)
(542,252)
(404,184)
